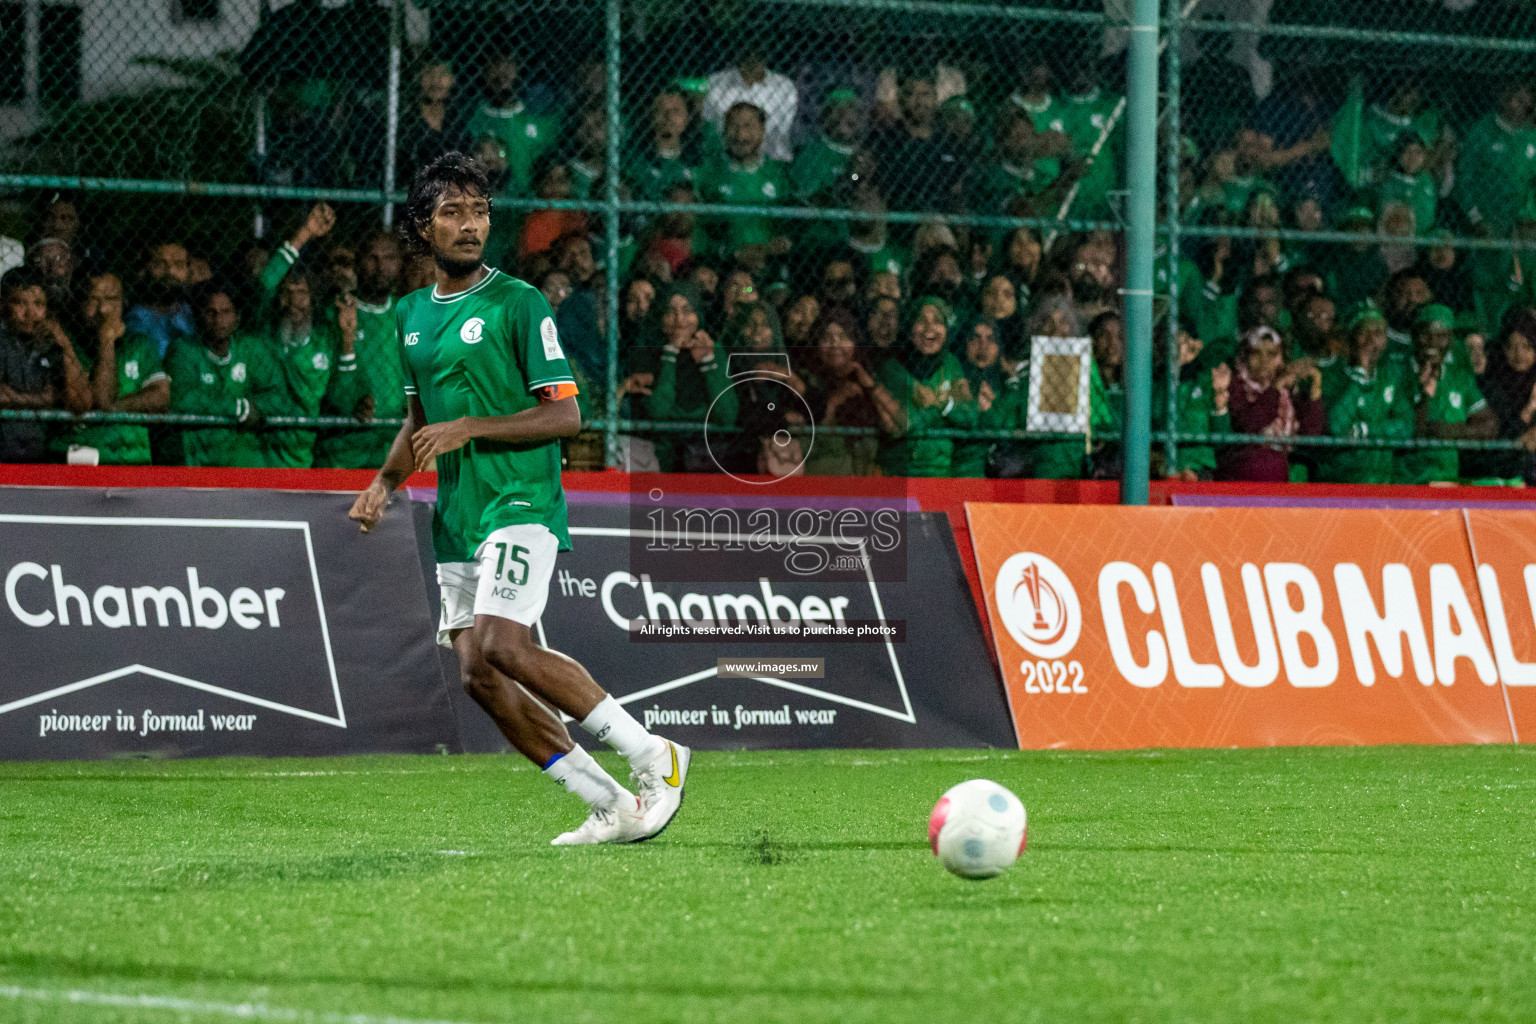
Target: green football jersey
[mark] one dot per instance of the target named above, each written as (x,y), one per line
(1363,406)
(525,137)
(1380,133)
(378,362)
(1085,117)
(206,385)
(1047,116)
(1494,173)
(138,366)
(313,379)
(997,183)
(484,352)
(885,258)
(650,174)
(1417,190)
(1457,397)
(765,183)
(818,166)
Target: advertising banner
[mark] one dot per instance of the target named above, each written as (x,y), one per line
(203,622)
(1127,627)
(721,633)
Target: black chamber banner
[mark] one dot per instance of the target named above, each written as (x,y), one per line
(919,677)
(179,623)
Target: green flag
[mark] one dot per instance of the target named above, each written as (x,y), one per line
(1348,135)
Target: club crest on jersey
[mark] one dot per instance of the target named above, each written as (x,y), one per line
(551,339)
(472,331)
(321,361)
(237,373)
(131,369)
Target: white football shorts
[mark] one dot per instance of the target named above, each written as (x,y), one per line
(509,578)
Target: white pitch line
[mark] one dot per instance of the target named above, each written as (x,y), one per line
(174,1004)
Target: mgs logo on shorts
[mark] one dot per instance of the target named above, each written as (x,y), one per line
(509,579)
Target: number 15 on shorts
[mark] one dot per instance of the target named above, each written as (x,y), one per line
(511,572)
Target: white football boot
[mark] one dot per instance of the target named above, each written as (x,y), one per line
(607,825)
(660,784)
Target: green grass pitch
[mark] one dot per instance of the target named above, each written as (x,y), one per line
(1386,884)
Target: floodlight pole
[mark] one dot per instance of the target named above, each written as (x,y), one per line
(1140,235)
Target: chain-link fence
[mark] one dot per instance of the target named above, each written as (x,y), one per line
(837,236)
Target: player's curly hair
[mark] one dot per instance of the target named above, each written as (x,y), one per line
(452,170)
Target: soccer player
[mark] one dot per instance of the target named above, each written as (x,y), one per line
(490,396)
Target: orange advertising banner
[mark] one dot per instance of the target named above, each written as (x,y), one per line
(1200,627)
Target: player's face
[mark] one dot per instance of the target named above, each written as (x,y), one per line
(218,319)
(458,229)
(26,309)
(104,303)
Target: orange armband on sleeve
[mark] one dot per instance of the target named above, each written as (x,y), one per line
(555,392)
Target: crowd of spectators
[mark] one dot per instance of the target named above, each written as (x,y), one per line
(909,330)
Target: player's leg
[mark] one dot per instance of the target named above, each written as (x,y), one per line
(516,566)
(529,725)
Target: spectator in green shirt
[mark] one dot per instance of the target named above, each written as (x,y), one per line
(820,163)
(220,372)
(377,344)
(1448,404)
(1408,182)
(316,362)
(669,153)
(934,393)
(1355,272)
(588,152)
(745,177)
(996,404)
(1201,407)
(525,135)
(1365,397)
(1497,162)
(691,380)
(125,374)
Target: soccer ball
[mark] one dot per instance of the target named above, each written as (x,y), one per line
(977,829)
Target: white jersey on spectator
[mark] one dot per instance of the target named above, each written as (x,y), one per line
(775,94)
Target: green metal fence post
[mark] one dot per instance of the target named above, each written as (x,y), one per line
(1141,210)
(1171,186)
(612,456)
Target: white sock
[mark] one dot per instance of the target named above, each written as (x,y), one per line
(578,773)
(616,727)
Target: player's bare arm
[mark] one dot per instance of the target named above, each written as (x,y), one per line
(369,507)
(547,421)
